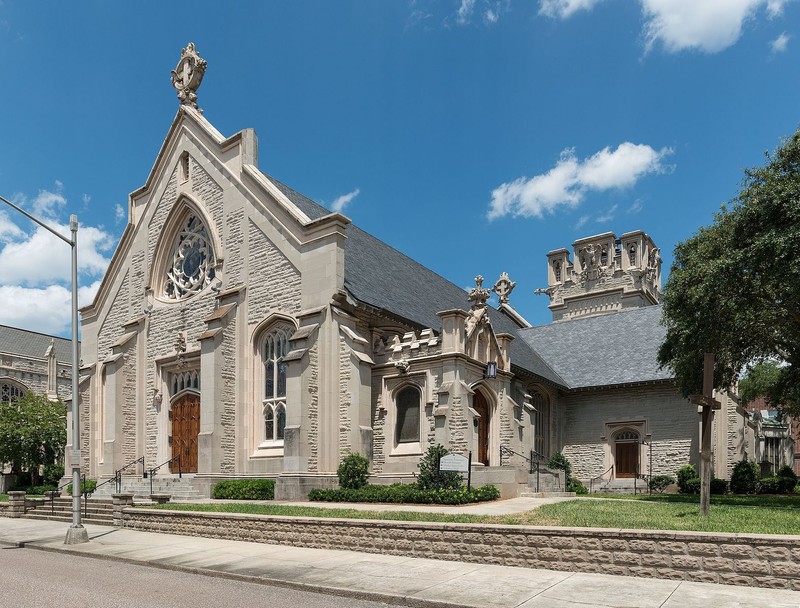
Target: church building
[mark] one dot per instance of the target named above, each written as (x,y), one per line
(243,330)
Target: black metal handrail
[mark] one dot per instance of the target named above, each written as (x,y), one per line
(591,481)
(117,479)
(171,460)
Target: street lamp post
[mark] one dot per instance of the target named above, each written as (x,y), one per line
(76,532)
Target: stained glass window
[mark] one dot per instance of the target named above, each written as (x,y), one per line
(274,402)
(10,392)
(192,267)
(407,427)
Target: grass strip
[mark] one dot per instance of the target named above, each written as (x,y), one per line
(639,514)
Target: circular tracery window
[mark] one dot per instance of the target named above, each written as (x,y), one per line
(192,266)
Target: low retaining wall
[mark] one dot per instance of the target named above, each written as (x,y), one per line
(732,559)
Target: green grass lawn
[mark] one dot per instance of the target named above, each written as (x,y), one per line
(755,515)
(3,497)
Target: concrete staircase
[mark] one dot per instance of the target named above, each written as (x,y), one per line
(625,485)
(549,484)
(178,488)
(95,511)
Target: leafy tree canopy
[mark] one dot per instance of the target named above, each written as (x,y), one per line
(32,432)
(734,287)
(760,381)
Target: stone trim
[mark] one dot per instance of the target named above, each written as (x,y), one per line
(732,559)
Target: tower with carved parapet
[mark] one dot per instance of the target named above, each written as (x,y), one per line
(605,274)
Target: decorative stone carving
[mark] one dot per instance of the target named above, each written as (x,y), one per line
(478,295)
(503,287)
(188,74)
(402,365)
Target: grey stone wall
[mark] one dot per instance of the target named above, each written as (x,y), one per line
(345,399)
(273,283)
(751,560)
(228,418)
(313,409)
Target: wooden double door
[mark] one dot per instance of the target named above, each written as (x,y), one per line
(185,429)
(627,459)
(480,405)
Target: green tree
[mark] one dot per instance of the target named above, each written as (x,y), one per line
(760,381)
(32,433)
(734,287)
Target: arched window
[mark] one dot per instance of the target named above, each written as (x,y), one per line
(541,431)
(10,392)
(627,435)
(408,415)
(274,347)
(190,266)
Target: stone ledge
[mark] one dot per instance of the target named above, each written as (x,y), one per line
(772,561)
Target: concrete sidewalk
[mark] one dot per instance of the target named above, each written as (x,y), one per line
(392,579)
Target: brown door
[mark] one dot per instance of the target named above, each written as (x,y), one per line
(185,428)
(479,405)
(627,461)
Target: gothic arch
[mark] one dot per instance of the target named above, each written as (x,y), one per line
(12,389)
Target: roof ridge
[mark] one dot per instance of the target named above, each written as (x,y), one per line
(32,331)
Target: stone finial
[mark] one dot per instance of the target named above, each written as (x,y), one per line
(188,74)
(503,287)
(478,295)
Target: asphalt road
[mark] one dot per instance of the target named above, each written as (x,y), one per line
(32,578)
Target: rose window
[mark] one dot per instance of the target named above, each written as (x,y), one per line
(192,266)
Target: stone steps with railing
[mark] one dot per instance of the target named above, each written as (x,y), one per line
(93,511)
(178,488)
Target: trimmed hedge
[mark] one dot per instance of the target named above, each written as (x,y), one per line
(406,493)
(89,486)
(692,486)
(245,489)
(34,490)
(776,485)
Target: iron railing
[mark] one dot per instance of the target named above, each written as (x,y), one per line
(533,461)
(170,461)
(599,477)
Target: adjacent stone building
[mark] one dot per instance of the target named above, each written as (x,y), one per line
(244,330)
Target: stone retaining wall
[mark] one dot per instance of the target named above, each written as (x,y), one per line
(732,559)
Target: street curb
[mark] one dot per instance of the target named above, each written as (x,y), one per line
(372,596)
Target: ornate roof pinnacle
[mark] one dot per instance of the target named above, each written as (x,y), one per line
(478,295)
(188,74)
(503,287)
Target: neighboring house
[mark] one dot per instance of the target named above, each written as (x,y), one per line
(774,441)
(244,330)
(33,362)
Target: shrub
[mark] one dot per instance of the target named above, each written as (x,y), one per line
(406,493)
(575,485)
(34,490)
(245,489)
(690,486)
(788,479)
(744,479)
(559,461)
(684,474)
(87,486)
(430,477)
(353,471)
(52,474)
(659,483)
(719,486)
(769,485)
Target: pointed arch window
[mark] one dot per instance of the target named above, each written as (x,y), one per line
(191,264)
(274,347)
(541,429)
(10,392)
(407,425)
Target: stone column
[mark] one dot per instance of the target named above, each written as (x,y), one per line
(120,502)
(16,504)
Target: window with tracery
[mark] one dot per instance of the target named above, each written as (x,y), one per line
(10,392)
(627,436)
(192,263)
(408,416)
(274,349)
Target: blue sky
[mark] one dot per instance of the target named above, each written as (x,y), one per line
(473,135)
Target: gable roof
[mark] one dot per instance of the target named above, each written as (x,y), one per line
(17,341)
(617,348)
(380,276)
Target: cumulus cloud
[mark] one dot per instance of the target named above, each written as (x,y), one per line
(562,9)
(566,184)
(676,25)
(340,203)
(780,44)
(46,309)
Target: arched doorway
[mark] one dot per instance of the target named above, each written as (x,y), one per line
(481,406)
(185,428)
(626,453)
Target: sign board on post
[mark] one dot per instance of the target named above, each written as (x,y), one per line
(74,459)
(457,462)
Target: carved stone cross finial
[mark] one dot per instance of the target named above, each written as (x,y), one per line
(504,287)
(188,74)
(478,295)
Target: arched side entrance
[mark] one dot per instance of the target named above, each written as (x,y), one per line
(185,429)
(481,406)
(626,453)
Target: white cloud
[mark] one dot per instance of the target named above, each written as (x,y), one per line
(566,184)
(563,9)
(464,13)
(8,229)
(780,44)
(340,203)
(119,213)
(775,8)
(607,216)
(48,309)
(581,222)
(636,206)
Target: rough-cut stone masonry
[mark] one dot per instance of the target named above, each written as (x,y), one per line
(313,408)
(209,192)
(345,399)
(274,284)
(733,559)
(378,429)
(228,418)
(129,405)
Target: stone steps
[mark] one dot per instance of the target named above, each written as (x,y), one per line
(92,512)
(528,494)
(179,488)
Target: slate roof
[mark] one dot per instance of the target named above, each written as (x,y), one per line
(33,344)
(612,349)
(381,276)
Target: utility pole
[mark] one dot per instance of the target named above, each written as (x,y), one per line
(706,404)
